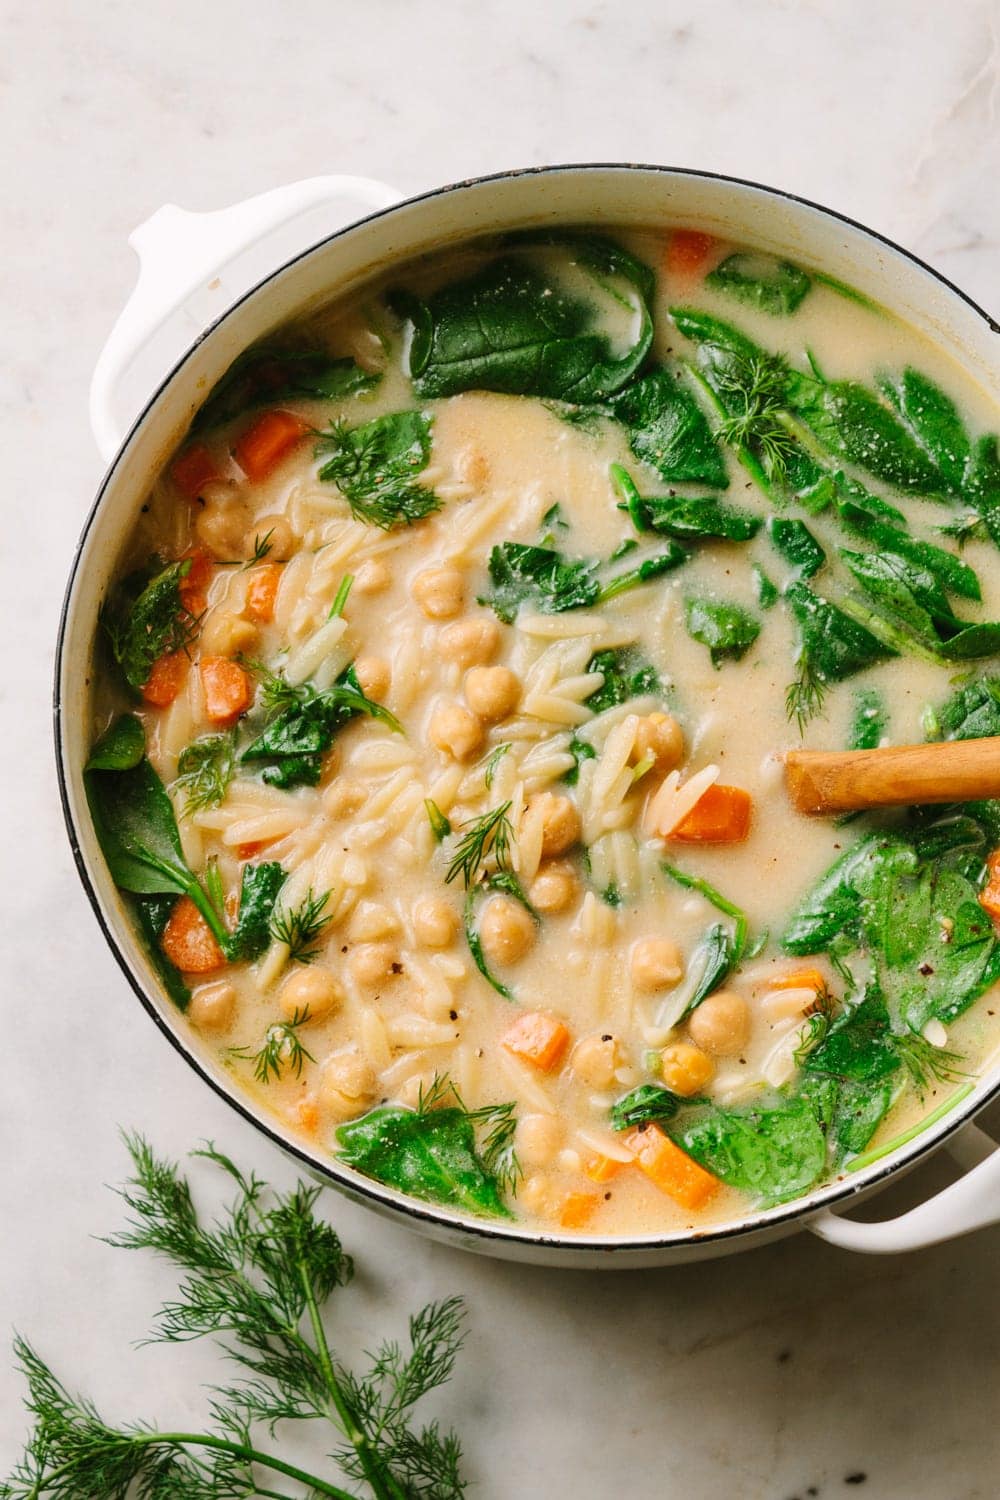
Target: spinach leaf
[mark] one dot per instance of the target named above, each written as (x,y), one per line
(120,747)
(671,557)
(797,545)
(137,831)
(973,711)
(766,591)
(627,674)
(258,894)
(264,375)
(934,420)
(431,1154)
(375,467)
(650,1101)
(668,430)
(151,623)
(510,328)
(859,1046)
(539,576)
(850,421)
(832,910)
(727,630)
(685,516)
(983,483)
(771,285)
(913,601)
(868,724)
(711,962)
(580,750)
(831,646)
(775,1153)
(294,742)
(952,574)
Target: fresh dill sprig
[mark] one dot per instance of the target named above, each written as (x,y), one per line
(275,693)
(300,926)
(262,545)
(819,1019)
(499,1121)
(256,1280)
(490,763)
(483,837)
(281,1048)
(805,696)
(753,390)
(204,770)
(924,1062)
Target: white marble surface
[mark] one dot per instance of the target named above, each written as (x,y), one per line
(748,1379)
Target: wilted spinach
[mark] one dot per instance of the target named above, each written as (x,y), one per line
(765,282)
(728,630)
(375,467)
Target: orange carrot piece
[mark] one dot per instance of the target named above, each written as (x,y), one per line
(251,850)
(671,1169)
(193,586)
(602,1168)
(227,688)
(797,979)
(537,1039)
(262,590)
(166,679)
(688,253)
(989,896)
(577,1209)
(188,940)
(720,816)
(266,441)
(193,469)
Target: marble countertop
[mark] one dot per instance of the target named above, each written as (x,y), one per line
(790,1372)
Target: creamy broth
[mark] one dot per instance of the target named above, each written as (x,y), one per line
(488,714)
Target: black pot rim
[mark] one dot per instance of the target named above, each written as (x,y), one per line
(486,1232)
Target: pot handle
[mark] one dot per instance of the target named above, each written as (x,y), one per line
(971,1203)
(181,289)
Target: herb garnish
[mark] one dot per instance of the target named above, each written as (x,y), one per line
(154,623)
(376,466)
(489,835)
(300,927)
(204,770)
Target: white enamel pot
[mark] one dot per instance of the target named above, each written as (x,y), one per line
(197,305)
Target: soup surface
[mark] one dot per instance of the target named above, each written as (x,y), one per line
(437,747)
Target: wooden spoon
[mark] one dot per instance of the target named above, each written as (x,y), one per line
(835,781)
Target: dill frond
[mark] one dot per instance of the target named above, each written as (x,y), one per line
(484,837)
(204,770)
(300,926)
(925,1062)
(261,547)
(281,1048)
(805,697)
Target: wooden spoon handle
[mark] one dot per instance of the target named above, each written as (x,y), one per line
(835,781)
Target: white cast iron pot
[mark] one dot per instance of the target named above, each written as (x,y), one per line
(191,313)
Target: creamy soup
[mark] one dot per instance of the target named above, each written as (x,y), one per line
(438,745)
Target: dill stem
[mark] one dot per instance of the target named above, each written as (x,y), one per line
(384,1486)
(220,1445)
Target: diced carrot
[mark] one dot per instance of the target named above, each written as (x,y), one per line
(537,1039)
(602,1168)
(989,896)
(251,850)
(307,1111)
(188,940)
(166,679)
(193,469)
(576,1209)
(262,590)
(671,1169)
(797,979)
(266,441)
(720,816)
(688,253)
(195,582)
(227,688)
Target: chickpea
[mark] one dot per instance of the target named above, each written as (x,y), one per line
(660,738)
(492,692)
(372,963)
(347,1083)
(595,1059)
(435,922)
(440,592)
(686,1069)
(373,675)
(226,634)
(535,1195)
(455,730)
(343,797)
(470,642)
(312,993)
(506,930)
(279,536)
(222,526)
(656,964)
(560,823)
(372,577)
(371,921)
(554,888)
(538,1139)
(721,1024)
(212,1006)
(410,1092)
